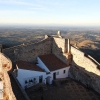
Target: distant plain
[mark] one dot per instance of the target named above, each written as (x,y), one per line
(86,39)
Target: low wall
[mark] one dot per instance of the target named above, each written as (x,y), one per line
(29,52)
(85,69)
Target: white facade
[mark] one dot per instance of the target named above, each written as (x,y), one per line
(60,73)
(57,73)
(29,78)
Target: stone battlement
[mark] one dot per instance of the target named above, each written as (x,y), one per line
(85,69)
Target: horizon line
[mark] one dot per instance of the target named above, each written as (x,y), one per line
(47,25)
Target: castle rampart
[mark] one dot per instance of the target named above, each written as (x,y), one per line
(29,52)
(57,46)
(85,69)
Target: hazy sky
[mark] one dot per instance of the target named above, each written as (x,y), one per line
(50,12)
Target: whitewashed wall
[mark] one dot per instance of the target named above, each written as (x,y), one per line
(49,77)
(28,74)
(60,75)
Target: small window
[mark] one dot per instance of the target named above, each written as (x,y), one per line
(57,73)
(48,73)
(34,79)
(26,82)
(64,71)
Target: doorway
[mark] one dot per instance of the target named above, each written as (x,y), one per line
(54,75)
(48,80)
(40,79)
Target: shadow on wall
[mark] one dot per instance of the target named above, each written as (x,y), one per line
(59,49)
(88,78)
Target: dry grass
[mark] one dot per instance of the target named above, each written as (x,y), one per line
(85,43)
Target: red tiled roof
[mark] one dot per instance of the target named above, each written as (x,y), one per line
(52,62)
(28,66)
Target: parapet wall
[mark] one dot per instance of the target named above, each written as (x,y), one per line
(85,69)
(6,65)
(29,52)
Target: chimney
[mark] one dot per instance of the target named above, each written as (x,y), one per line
(68,45)
(59,34)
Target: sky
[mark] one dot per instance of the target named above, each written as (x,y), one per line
(50,12)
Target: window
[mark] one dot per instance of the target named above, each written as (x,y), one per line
(48,73)
(26,82)
(57,73)
(64,71)
(34,79)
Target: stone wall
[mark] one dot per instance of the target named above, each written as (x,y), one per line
(6,65)
(85,69)
(59,48)
(29,52)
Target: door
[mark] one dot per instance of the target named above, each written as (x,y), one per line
(54,76)
(48,80)
(40,79)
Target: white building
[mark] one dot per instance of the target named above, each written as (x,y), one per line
(54,67)
(29,74)
(49,67)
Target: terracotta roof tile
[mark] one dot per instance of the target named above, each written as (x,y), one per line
(52,62)
(28,66)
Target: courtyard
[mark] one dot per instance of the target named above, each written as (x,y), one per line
(64,90)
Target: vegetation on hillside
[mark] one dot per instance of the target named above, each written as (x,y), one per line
(86,39)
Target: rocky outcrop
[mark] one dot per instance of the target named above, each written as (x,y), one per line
(5,66)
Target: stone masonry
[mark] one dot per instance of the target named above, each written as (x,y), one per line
(5,66)
(29,52)
(83,68)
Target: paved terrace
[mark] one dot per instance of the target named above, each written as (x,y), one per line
(66,90)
